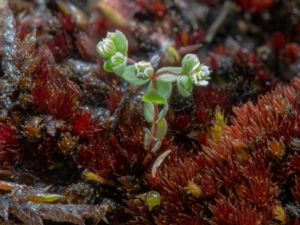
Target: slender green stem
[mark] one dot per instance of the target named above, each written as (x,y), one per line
(156,112)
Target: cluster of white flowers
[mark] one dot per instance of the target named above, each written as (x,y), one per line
(198,73)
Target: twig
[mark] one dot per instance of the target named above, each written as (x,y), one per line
(227,7)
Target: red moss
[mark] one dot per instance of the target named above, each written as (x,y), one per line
(291,53)
(56,97)
(226,213)
(8,136)
(22,29)
(9,144)
(109,154)
(173,177)
(258,187)
(268,115)
(67,22)
(99,155)
(242,162)
(157,7)
(113,100)
(294,164)
(278,41)
(172,181)
(46,61)
(207,99)
(60,45)
(296,189)
(223,212)
(256,6)
(182,122)
(84,125)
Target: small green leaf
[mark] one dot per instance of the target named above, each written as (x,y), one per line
(170,69)
(129,75)
(152,96)
(164,89)
(149,112)
(148,137)
(119,69)
(162,128)
(121,42)
(167,77)
(173,55)
(107,66)
(185,86)
(163,112)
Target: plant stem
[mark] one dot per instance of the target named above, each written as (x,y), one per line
(131,61)
(156,111)
(155,120)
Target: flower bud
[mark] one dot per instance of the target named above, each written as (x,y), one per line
(118,59)
(144,70)
(118,62)
(106,48)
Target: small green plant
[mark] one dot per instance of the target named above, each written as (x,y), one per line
(114,50)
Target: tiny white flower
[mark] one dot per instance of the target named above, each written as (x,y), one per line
(144,70)
(205,70)
(200,76)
